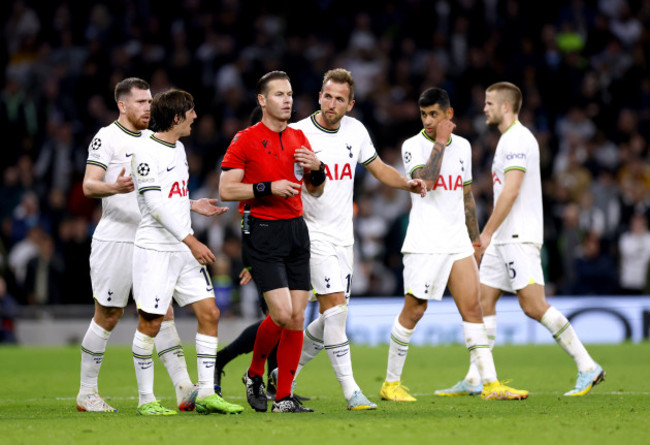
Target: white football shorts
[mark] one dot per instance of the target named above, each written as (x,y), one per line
(330,267)
(511,267)
(111,272)
(426,274)
(159,276)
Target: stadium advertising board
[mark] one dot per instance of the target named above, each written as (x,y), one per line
(598,320)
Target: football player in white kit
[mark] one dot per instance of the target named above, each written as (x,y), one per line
(341,142)
(108,177)
(438,249)
(168,261)
(512,239)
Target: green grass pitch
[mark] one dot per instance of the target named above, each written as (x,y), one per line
(38,387)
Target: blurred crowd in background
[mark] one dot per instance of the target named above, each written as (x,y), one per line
(582,67)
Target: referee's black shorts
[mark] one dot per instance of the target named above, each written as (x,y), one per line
(278,253)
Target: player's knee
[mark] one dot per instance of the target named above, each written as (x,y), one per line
(471,312)
(414,314)
(210,315)
(108,318)
(533,312)
(149,324)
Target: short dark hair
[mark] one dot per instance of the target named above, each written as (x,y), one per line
(262,84)
(512,94)
(124,87)
(432,96)
(167,105)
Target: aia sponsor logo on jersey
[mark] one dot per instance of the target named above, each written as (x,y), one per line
(449,183)
(178,188)
(340,172)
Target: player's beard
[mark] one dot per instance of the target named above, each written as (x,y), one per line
(138,122)
(493,120)
(332,122)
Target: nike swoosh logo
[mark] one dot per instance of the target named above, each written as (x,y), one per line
(146,367)
(128,155)
(209,365)
(316,152)
(341,355)
(170,169)
(209,289)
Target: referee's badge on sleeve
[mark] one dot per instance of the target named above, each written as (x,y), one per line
(298,171)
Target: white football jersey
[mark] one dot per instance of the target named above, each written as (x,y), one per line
(329,217)
(437,221)
(111,149)
(159,165)
(518,149)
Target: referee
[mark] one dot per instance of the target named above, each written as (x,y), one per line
(264,169)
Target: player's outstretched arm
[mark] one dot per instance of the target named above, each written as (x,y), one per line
(95,187)
(153,200)
(206,207)
(392,178)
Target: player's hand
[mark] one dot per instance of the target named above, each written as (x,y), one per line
(443,131)
(123,183)
(284,188)
(207,207)
(485,239)
(307,158)
(200,251)
(418,186)
(478,253)
(245,276)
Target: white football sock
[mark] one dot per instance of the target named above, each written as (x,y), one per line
(312,342)
(565,336)
(490,322)
(473,376)
(479,349)
(170,352)
(143,362)
(93,347)
(206,358)
(337,346)
(397,350)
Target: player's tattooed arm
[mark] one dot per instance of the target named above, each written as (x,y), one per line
(472,223)
(470,214)
(431,169)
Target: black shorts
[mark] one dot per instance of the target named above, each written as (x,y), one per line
(278,253)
